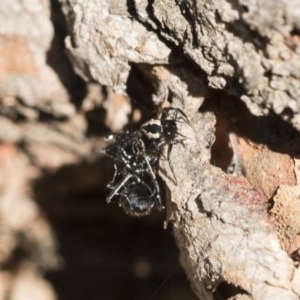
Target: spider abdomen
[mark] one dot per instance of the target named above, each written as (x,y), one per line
(137,200)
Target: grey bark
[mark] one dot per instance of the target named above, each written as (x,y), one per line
(245,48)
(248,48)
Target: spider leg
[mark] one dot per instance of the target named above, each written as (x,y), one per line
(178,140)
(122,184)
(138,180)
(111,183)
(115,191)
(124,162)
(154,180)
(170,163)
(181,116)
(178,115)
(170,146)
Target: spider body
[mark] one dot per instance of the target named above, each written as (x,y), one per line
(134,180)
(164,131)
(135,153)
(137,198)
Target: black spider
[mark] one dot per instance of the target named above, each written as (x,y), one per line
(134,180)
(164,131)
(136,153)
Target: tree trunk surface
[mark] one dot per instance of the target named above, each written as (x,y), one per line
(73,71)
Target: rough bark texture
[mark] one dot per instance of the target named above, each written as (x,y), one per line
(232,66)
